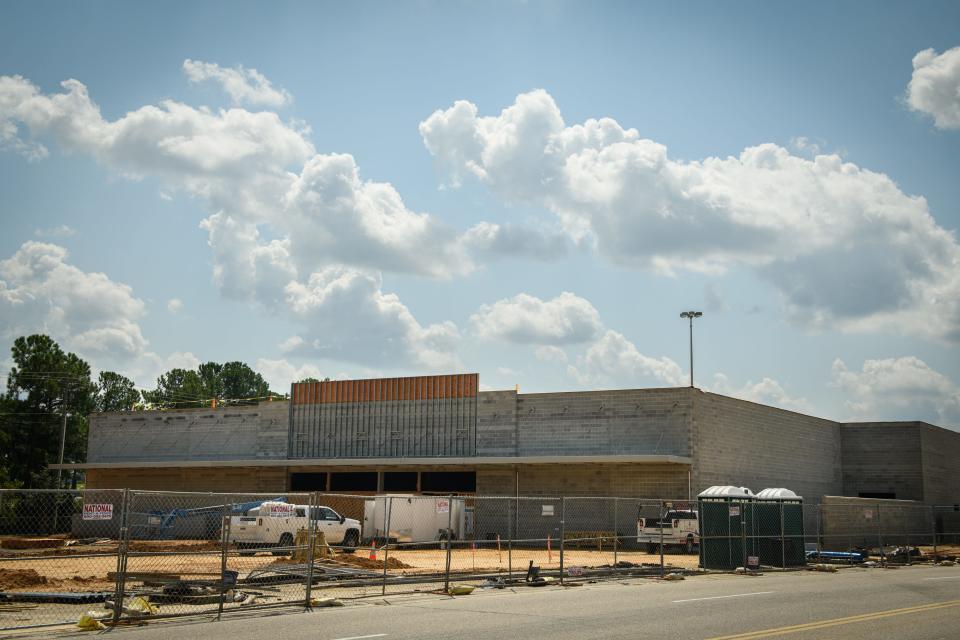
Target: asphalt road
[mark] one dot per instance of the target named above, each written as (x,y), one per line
(906,603)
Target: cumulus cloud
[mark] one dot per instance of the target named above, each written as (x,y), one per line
(550,353)
(279,374)
(244,86)
(174,305)
(614,360)
(490,240)
(349,317)
(768,391)
(526,319)
(934,87)
(905,388)
(60,231)
(843,245)
(89,312)
(279,213)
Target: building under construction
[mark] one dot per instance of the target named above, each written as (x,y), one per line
(440,434)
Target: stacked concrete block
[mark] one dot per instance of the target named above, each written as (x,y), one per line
(743,443)
(883,458)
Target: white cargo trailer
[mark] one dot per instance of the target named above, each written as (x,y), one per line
(413,518)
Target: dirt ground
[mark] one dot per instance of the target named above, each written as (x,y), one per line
(201,560)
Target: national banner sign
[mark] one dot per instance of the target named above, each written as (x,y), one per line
(98,511)
(280,510)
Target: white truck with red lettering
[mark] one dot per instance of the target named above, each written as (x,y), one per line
(678,528)
(275,525)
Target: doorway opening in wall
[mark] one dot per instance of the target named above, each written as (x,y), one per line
(448,481)
(400,481)
(882,495)
(308,481)
(353,481)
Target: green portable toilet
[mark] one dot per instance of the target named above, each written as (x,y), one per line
(778,524)
(725,515)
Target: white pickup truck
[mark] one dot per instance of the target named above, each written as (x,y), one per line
(679,526)
(275,524)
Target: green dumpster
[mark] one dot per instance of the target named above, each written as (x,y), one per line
(725,514)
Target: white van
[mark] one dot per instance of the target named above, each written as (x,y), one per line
(275,524)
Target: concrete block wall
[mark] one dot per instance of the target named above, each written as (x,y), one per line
(847,522)
(497,423)
(883,457)
(633,421)
(940,454)
(229,433)
(742,443)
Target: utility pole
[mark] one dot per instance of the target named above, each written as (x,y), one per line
(63,434)
(691,315)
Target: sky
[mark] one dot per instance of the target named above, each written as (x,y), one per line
(529,190)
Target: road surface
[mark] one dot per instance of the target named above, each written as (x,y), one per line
(916,603)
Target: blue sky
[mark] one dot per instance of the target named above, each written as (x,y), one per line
(825,289)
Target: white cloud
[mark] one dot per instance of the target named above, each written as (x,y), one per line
(279,213)
(525,319)
(279,374)
(899,389)
(174,305)
(934,87)
(291,344)
(507,372)
(88,312)
(244,86)
(490,240)
(550,353)
(614,360)
(768,391)
(349,317)
(60,231)
(797,222)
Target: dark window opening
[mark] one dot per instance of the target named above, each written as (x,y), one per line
(400,481)
(308,481)
(354,481)
(448,481)
(885,496)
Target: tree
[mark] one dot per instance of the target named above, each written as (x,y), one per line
(116,392)
(44,384)
(229,383)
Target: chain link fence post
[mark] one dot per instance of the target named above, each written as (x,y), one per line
(446,573)
(386,542)
(122,557)
(662,515)
(510,541)
(933,525)
(563,531)
(224,544)
(783,544)
(312,520)
(883,551)
(616,531)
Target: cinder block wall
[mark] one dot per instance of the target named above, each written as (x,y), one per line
(883,457)
(497,423)
(941,465)
(742,443)
(229,433)
(633,421)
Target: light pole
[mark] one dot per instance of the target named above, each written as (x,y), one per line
(691,315)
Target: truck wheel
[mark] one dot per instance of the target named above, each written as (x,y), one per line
(689,546)
(350,541)
(286,540)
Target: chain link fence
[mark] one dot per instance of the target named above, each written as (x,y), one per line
(108,557)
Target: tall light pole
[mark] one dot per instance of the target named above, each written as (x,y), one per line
(691,315)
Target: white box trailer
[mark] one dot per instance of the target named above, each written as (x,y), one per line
(414,518)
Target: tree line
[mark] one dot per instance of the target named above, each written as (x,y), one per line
(45,384)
